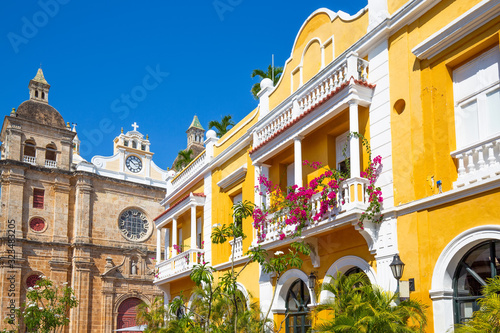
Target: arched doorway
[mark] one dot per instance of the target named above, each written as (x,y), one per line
(474,269)
(297,299)
(127,312)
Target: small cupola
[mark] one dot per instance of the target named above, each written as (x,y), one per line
(39,88)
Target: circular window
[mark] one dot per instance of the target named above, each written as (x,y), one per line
(37,224)
(32,280)
(134,225)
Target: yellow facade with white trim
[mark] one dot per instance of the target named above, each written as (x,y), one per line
(388,73)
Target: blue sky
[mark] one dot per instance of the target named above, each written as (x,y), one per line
(177,58)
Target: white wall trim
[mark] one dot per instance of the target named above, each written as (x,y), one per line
(284,284)
(233,177)
(460,27)
(343,265)
(441,291)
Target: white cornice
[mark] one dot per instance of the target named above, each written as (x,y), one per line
(233,177)
(444,198)
(463,25)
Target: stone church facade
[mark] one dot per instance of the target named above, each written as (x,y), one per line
(87,224)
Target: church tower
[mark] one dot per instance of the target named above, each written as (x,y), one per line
(195,137)
(35,133)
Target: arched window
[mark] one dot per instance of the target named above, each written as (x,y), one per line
(297,299)
(50,152)
(29,148)
(43,95)
(134,144)
(478,265)
(36,93)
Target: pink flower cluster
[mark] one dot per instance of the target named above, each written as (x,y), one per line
(289,214)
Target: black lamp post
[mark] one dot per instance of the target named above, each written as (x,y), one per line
(312,280)
(397,268)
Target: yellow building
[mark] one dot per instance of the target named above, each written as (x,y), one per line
(420,80)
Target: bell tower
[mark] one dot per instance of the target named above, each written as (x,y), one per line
(39,88)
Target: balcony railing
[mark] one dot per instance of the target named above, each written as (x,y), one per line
(478,162)
(29,159)
(313,93)
(237,244)
(353,196)
(192,168)
(50,164)
(179,264)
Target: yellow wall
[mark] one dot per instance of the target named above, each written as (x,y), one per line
(427,233)
(424,133)
(318,27)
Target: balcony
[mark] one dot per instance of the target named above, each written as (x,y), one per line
(237,245)
(478,162)
(352,201)
(29,159)
(179,264)
(193,168)
(350,71)
(50,164)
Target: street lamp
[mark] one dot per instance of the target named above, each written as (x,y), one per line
(312,280)
(397,268)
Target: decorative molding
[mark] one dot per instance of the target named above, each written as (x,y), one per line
(463,25)
(233,178)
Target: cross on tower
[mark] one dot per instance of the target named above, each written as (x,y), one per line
(134,125)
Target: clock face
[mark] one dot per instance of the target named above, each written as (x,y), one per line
(134,225)
(134,163)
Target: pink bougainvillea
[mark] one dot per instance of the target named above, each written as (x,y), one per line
(285,214)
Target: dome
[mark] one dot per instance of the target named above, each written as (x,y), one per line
(40,113)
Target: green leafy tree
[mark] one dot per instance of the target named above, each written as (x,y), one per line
(263,75)
(358,306)
(46,308)
(487,318)
(223,126)
(153,315)
(184,157)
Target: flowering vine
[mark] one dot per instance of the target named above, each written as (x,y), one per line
(287,213)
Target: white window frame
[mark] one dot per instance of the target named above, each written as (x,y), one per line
(479,97)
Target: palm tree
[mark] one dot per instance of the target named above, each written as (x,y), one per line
(359,306)
(263,75)
(487,318)
(221,127)
(183,159)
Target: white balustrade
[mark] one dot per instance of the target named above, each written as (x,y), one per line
(352,196)
(478,162)
(183,262)
(50,164)
(237,246)
(310,95)
(29,159)
(193,168)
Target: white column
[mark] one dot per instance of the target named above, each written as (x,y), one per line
(158,246)
(193,227)
(297,145)
(354,142)
(257,197)
(167,243)
(174,232)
